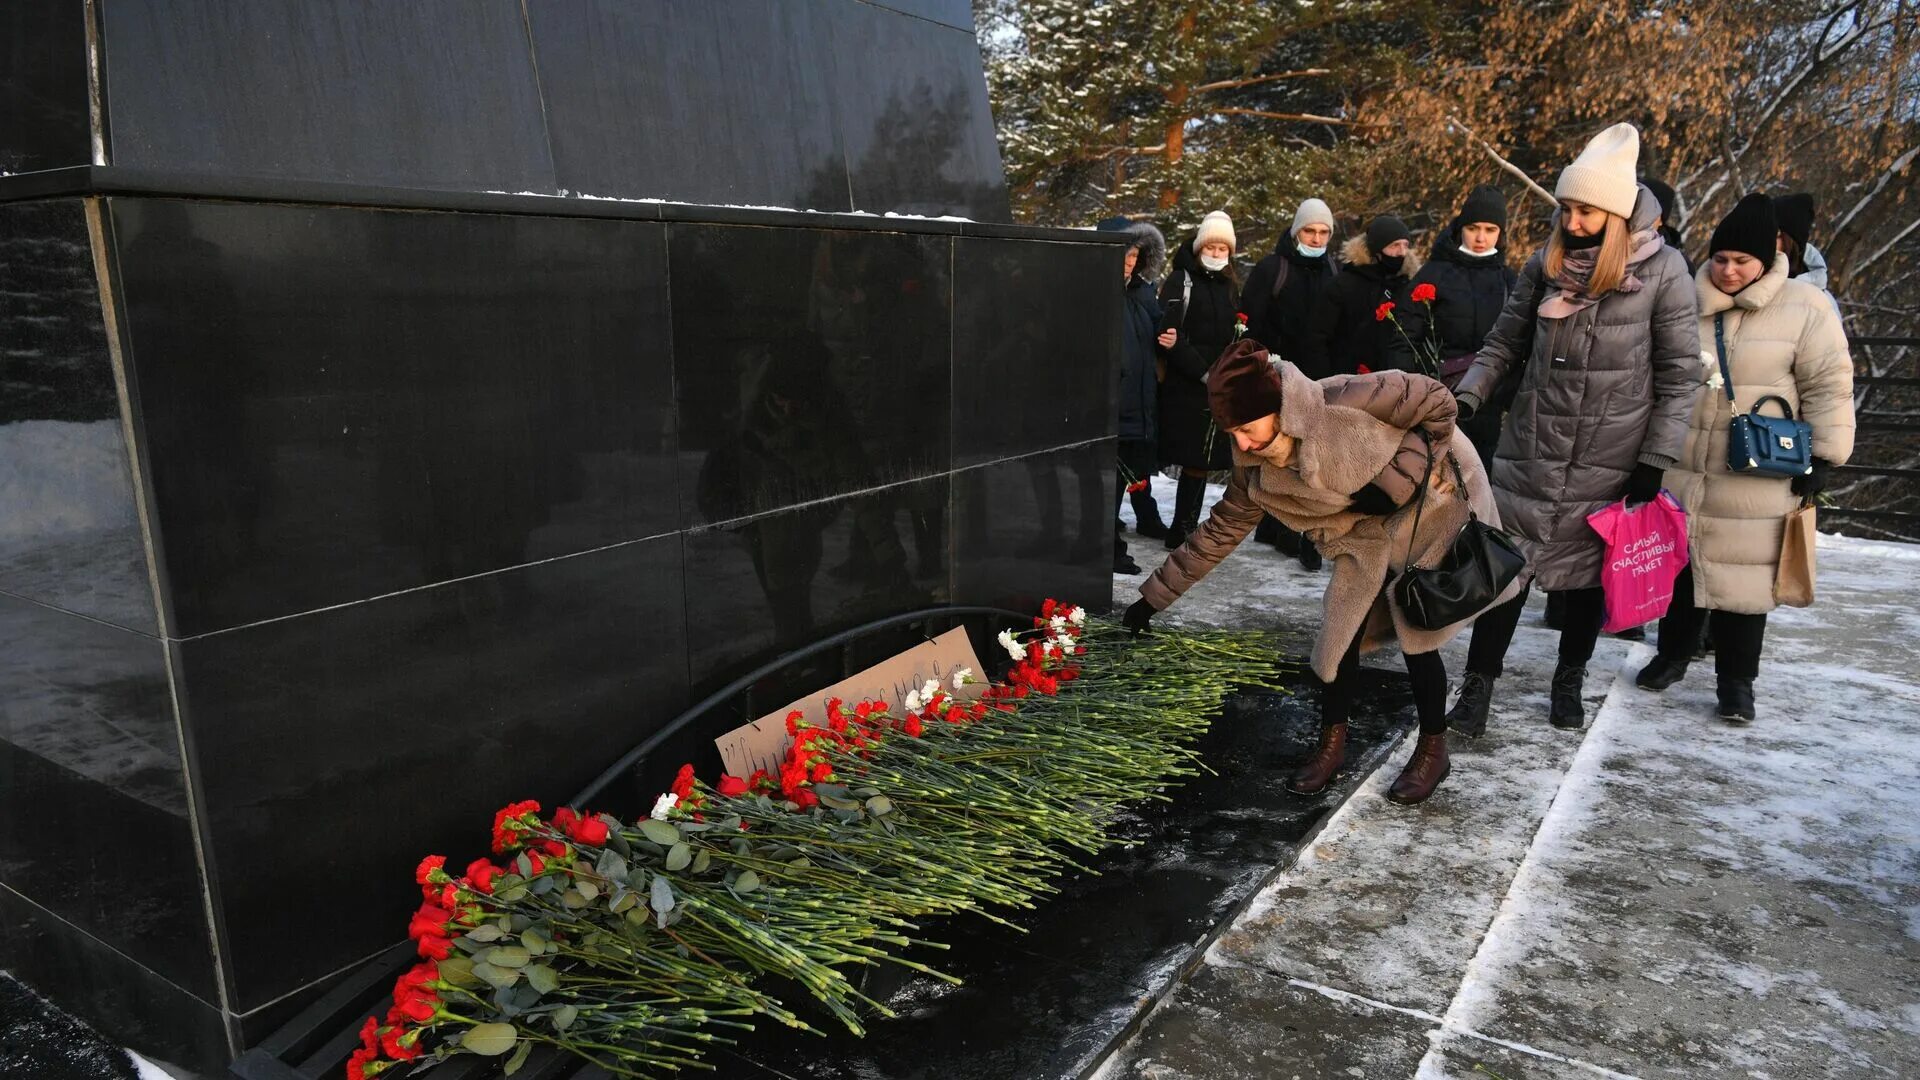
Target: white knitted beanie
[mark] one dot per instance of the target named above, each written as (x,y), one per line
(1215,226)
(1311,212)
(1606,174)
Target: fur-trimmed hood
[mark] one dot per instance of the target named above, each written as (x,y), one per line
(1151,244)
(1355,253)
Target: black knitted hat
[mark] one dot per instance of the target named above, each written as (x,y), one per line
(1750,228)
(1384,230)
(1795,214)
(1487,204)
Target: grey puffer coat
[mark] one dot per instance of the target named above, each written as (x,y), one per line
(1603,390)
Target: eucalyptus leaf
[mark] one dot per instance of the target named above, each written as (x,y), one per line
(838,791)
(624,902)
(489,1040)
(865,792)
(486,932)
(638,916)
(524,865)
(679,857)
(534,941)
(587,889)
(496,976)
(573,899)
(511,896)
(730,823)
(611,865)
(542,978)
(507,956)
(618,843)
(746,882)
(564,1016)
(518,1059)
(838,803)
(660,832)
(879,806)
(800,863)
(662,898)
(702,861)
(543,885)
(458,970)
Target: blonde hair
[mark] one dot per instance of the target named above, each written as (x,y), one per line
(1609,268)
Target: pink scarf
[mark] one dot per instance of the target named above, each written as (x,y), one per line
(1576,270)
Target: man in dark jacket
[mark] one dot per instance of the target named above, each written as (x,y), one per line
(1470,279)
(1139,385)
(1377,269)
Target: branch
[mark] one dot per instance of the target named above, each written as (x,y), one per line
(1899,165)
(1235,84)
(1503,162)
(1858,267)
(1305,118)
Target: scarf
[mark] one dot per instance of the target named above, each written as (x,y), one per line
(1576,268)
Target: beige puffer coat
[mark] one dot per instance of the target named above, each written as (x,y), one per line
(1353,430)
(1784,338)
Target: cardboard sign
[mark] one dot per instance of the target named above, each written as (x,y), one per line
(763,743)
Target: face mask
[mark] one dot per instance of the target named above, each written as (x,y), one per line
(1580,243)
(1311,252)
(1465,250)
(1392,263)
(1212,263)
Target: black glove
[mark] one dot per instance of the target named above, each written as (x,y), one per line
(1643,485)
(1138,617)
(1463,410)
(1810,485)
(1372,500)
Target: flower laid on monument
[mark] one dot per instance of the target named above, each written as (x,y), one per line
(638,944)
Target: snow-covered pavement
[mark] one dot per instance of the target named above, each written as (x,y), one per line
(1660,896)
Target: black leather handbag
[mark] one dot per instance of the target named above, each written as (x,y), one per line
(1479,565)
(1763,445)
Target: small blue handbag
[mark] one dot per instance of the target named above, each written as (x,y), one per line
(1756,443)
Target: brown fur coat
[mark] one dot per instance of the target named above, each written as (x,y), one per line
(1352,430)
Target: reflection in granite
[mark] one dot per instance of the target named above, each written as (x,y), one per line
(635,119)
(346,743)
(90,762)
(914,117)
(43,87)
(429,93)
(1029,378)
(776,582)
(1043,1001)
(69,531)
(1035,527)
(344,403)
(809,364)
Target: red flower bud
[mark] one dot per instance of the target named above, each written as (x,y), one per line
(436,948)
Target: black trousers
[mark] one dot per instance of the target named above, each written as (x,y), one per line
(1737,638)
(1585,611)
(1136,457)
(1427,671)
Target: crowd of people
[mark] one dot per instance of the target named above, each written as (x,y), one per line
(1370,405)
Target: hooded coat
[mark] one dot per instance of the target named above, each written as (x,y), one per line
(1140,323)
(1292,325)
(1352,430)
(1188,436)
(1603,390)
(1351,337)
(1783,338)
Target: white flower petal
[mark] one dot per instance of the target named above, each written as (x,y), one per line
(962,677)
(1012,645)
(1078,616)
(664,805)
(913,701)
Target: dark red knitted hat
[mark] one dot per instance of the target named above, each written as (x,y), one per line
(1243,385)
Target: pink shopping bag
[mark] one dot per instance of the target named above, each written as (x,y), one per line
(1646,550)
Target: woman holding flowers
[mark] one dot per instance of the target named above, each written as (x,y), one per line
(1600,338)
(1455,300)
(1345,460)
(1377,270)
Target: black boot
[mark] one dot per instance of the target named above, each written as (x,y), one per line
(1309,555)
(1186,509)
(1736,700)
(1663,672)
(1268,531)
(1146,515)
(1566,710)
(1469,714)
(1123,563)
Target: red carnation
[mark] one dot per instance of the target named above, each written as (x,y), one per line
(357,1064)
(429,921)
(1239,316)
(822,773)
(1048,608)
(481,873)
(510,820)
(397,1049)
(804,798)
(732,787)
(683,782)
(1362,369)
(370,1033)
(1381,313)
(429,866)
(436,948)
(589,830)
(1424,293)
(912,727)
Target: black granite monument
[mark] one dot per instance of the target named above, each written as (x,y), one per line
(404,407)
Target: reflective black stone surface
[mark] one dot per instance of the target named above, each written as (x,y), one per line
(427,93)
(808,364)
(737,111)
(955,13)
(94,820)
(43,86)
(69,532)
(104,988)
(917,128)
(772,583)
(344,403)
(335,749)
(1035,342)
(1043,1002)
(1035,527)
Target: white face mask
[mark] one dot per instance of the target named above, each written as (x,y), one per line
(1213,263)
(1311,252)
(1465,250)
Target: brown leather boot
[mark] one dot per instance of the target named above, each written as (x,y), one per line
(1317,773)
(1424,771)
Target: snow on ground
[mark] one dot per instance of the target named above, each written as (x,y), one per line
(1664,895)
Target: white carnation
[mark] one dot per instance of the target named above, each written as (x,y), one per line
(664,805)
(913,701)
(962,677)
(1012,645)
(1078,616)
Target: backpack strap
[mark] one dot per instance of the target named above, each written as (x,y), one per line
(1280,276)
